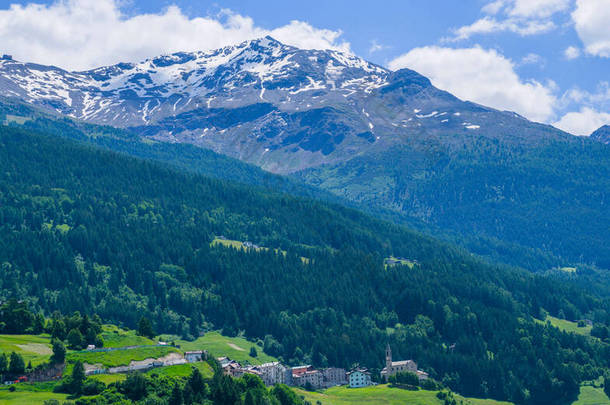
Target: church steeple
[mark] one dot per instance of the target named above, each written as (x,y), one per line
(388,356)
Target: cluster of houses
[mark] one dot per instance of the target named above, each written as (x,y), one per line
(276,373)
(308,376)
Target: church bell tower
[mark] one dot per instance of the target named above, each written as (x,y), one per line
(388,357)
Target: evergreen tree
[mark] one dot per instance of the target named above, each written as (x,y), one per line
(176,396)
(16,365)
(78,378)
(196,381)
(75,339)
(253,352)
(58,330)
(134,386)
(3,363)
(59,352)
(145,328)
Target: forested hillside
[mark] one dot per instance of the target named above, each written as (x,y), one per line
(552,197)
(204,161)
(104,233)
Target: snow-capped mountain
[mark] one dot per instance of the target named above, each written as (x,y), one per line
(129,94)
(283,108)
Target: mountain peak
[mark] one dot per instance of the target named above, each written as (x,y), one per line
(602,134)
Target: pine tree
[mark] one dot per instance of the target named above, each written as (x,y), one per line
(78,378)
(176,397)
(145,328)
(196,381)
(75,339)
(3,363)
(59,352)
(16,365)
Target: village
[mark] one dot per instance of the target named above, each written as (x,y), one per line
(307,376)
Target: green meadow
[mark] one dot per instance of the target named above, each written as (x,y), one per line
(121,357)
(29,394)
(382,395)
(568,326)
(114,336)
(34,348)
(236,244)
(235,348)
(183,370)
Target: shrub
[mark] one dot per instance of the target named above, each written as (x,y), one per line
(93,387)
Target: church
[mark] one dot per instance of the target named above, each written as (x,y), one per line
(393,367)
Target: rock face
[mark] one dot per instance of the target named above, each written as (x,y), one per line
(602,134)
(280,107)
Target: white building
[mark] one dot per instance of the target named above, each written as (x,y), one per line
(194,356)
(359,378)
(334,376)
(303,375)
(272,373)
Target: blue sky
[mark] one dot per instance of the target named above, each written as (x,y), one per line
(546,59)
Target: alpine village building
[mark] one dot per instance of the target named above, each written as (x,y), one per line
(393,367)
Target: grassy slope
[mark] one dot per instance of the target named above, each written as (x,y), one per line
(382,395)
(29,394)
(183,370)
(121,357)
(36,349)
(568,326)
(236,244)
(592,396)
(218,345)
(114,336)
(28,398)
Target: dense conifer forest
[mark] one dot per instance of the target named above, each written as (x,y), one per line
(206,162)
(90,230)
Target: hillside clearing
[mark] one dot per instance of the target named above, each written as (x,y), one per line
(591,395)
(382,395)
(34,348)
(183,370)
(235,348)
(236,244)
(29,394)
(116,358)
(568,326)
(114,336)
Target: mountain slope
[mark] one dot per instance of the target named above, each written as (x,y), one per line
(101,232)
(204,161)
(602,134)
(385,139)
(267,103)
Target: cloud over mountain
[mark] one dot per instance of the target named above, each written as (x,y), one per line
(483,76)
(81,34)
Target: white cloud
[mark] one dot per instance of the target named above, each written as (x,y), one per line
(538,8)
(494,7)
(81,34)
(488,25)
(571,52)
(522,17)
(483,76)
(532,59)
(376,47)
(592,23)
(583,122)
